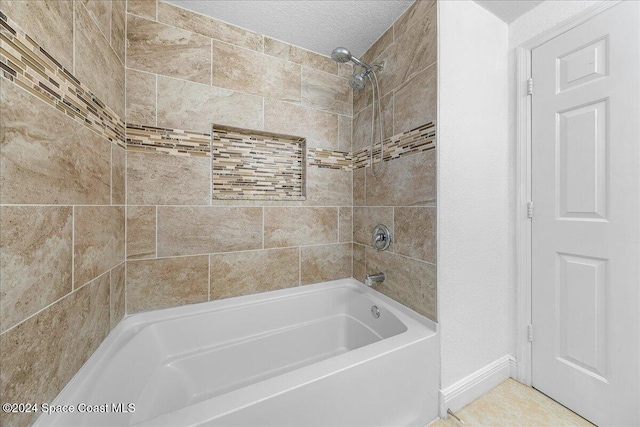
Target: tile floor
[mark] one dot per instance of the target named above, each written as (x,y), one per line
(514,404)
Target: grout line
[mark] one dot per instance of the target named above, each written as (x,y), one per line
(431,205)
(242,251)
(54,302)
(73,56)
(111,175)
(338,225)
(209,279)
(263,227)
(110,302)
(297,104)
(156,251)
(211,64)
(156,100)
(73,248)
(299,266)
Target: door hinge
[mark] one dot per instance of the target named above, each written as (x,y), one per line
(530,333)
(530,210)
(530,86)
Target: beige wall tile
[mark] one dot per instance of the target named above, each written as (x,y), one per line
(362,98)
(324,263)
(166,50)
(416,101)
(407,181)
(247,71)
(100,11)
(366,218)
(328,187)
(141,232)
(295,226)
(417,48)
(42,354)
(326,92)
(99,241)
(166,282)
(408,281)
(201,230)
(146,8)
(116,295)
(188,20)
(415,232)
(141,98)
(413,15)
(359,182)
(319,127)
(46,157)
(379,46)
(362,123)
(243,273)
(49,23)
(344,133)
(97,64)
(194,106)
(118,33)
(362,129)
(393,74)
(359,262)
(300,56)
(167,180)
(345,230)
(118,172)
(35,259)
(345,69)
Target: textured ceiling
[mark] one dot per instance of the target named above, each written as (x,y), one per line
(315,25)
(508,10)
(321,25)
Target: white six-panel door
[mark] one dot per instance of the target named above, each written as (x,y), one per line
(586,223)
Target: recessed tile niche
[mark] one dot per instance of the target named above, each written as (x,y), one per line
(256,165)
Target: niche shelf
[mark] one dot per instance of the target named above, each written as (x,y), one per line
(257,165)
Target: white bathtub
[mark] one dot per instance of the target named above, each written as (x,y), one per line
(307,356)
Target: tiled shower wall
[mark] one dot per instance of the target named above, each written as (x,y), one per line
(403,195)
(62,194)
(186,71)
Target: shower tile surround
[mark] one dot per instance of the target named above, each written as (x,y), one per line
(168,178)
(403,195)
(62,191)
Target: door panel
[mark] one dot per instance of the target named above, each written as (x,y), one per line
(582,166)
(586,227)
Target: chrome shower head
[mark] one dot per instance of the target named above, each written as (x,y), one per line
(342,54)
(357,81)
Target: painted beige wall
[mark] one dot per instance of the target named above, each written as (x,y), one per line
(62,213)
(403,195)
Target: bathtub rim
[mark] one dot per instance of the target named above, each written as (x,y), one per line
(419,328)
(145,318)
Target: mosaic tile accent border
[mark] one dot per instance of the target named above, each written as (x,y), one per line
(169,141)
(252,164)
(29,66)
(422,138)
(329,159)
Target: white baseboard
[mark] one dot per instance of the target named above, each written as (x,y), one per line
(468,389)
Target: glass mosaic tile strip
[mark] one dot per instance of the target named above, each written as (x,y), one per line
(28,65)
(252,164)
